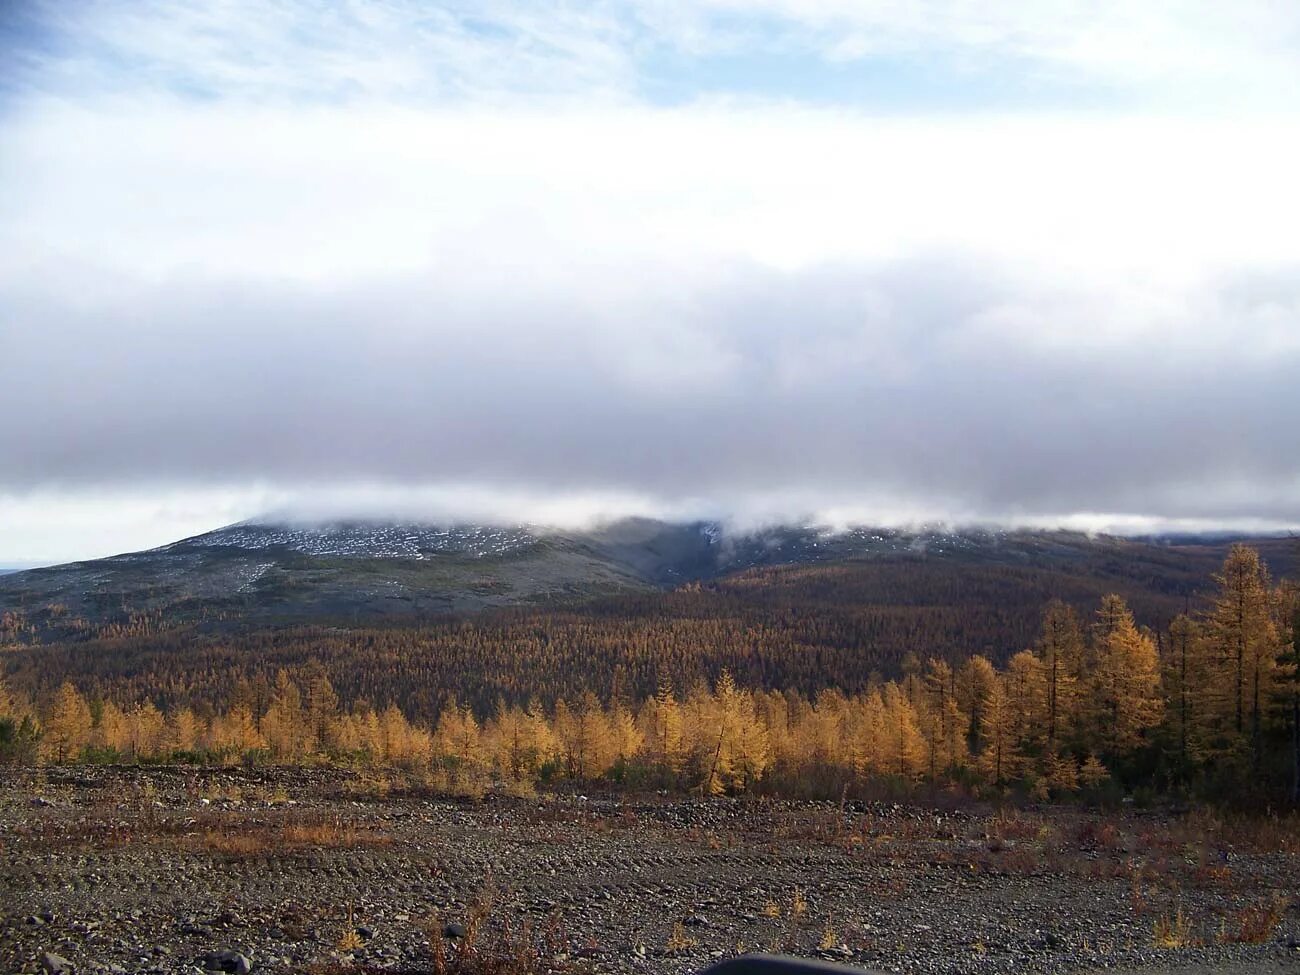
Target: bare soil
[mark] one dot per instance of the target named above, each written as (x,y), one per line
(153,870)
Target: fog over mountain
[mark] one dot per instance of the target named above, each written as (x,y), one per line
(417,286)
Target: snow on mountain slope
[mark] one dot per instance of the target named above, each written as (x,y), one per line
(367,540)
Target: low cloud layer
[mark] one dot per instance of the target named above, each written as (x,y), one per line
(939,386)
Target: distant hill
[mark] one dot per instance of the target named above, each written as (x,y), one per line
(412,613)
(372,571)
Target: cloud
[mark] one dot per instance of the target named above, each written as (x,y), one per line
(449,258)
(788,311)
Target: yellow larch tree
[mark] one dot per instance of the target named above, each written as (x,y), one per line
(662,729)
(184,731)
(1244,638)
(999,756)
(904,747)
(1124,694)
(146,725)
(1060,651)
(67,727)
(112,730)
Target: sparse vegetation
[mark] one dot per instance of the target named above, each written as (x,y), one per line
(1256,922)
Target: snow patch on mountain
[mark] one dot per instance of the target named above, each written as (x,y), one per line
(369,541)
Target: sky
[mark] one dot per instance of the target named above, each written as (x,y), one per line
(844,261)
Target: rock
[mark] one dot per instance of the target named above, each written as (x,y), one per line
(696,921)
(34,921)
(231,962)
(836,952)
(56,964)
(453,930)
(364,932)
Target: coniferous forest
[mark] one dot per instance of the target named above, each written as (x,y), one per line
(782,701)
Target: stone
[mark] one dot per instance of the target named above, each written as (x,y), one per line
(56,964)
(228,961)
(453,930)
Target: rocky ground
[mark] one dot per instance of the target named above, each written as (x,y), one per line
(182,870)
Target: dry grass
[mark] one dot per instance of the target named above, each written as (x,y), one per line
(798,906)
(1173,930)
(1255,923)
(494,946)
(238,842)
(830,937)
(679,940)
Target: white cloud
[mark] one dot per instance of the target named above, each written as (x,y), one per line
(369,269)
(328,193)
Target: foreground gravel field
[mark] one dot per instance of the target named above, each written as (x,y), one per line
(182,870)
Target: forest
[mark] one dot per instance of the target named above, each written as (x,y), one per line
(1207,703)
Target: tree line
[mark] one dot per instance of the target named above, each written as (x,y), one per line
(1209,702)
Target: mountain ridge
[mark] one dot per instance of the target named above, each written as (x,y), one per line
(279,570)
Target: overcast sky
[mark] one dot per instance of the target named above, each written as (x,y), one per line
(1031,262)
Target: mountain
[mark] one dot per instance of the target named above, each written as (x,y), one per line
(286,572)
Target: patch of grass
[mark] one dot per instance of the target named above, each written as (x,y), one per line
(830,937)
(1172,930)
(492,946)
(798,906)
(1255,923)
(247,843)
(678,940)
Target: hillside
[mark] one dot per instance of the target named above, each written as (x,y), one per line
(411,614)
(374,571)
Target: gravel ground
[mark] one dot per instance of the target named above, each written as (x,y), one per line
(129,870)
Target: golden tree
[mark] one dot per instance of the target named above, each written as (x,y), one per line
(1244,639)
(146,725)
(1060,650)
(948,726)
(1023,680)
(661,722)
(1124,696)
(184,730)
(975,682)
(67,727)
(235,732)
(1000,756)
(903,746)
(457,738)
(112,730)
(322,712)
(285,725)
